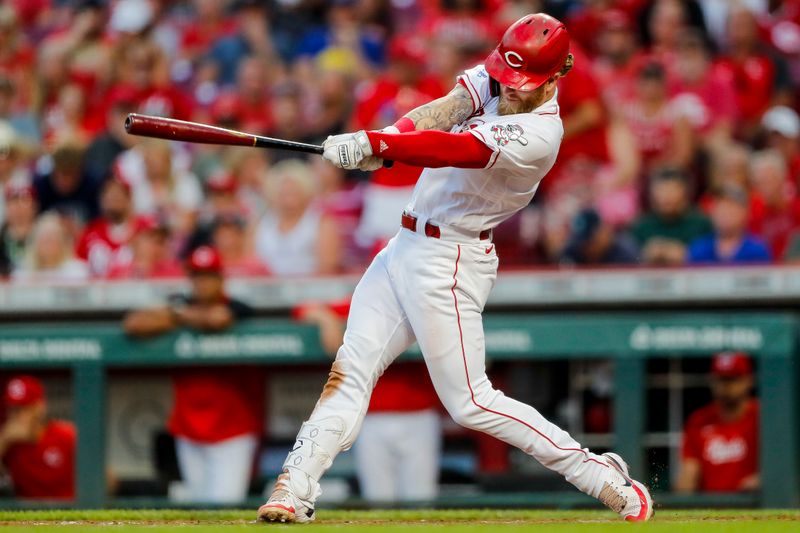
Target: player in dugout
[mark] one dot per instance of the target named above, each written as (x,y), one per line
(217,413)
(485,147)
(720,440)
(37,453)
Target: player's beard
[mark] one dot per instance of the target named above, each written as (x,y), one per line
(525,104)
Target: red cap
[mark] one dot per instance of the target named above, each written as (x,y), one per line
(23,390)
(532,51)
(407,48)
(222,182)
(205,259)
(731,364)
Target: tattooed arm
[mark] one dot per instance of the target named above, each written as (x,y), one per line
(443,113)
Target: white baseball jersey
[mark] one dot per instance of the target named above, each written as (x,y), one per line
(525,147)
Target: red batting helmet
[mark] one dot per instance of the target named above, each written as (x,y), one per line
(532,50)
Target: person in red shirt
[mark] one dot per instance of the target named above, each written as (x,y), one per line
(151,254)
(39,454)
(398,449)
(217,414)
(721,440)
(761,78)
(774,205)
(105,242)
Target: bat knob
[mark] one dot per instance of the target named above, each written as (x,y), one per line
(388,164)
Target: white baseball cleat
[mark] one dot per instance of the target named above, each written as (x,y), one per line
(284,506)
(625,495)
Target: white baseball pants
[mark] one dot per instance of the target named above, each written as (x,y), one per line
(432,291)
(219,472)
(397,456)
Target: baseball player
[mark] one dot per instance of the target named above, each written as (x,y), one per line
(485,147)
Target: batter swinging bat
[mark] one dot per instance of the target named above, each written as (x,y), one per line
(181,130)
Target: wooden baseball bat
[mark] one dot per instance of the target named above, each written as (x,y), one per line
(195,132)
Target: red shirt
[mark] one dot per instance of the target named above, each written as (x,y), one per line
(215,404)
(727,451)
(754,80)
(106,248)
(45,469)
(774,225)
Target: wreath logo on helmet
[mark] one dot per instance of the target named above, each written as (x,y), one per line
(504,134)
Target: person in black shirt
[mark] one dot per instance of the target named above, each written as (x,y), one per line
(66,189)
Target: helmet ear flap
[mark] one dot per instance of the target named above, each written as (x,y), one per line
(494,87)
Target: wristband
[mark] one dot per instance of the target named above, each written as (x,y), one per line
(404,125)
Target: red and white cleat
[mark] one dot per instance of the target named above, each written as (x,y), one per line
(625,495)
(283,506)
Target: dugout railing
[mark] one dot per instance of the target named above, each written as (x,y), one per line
(629,339)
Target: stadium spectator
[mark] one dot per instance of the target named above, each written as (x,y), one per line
(229,234)
(663,137)
(761,77)
(111,141)
(215,419)
(23,122)
(247,108)
(17,226)
(253,38)
(399,447)
(38,453)
(17,58)
(782,126)
(12,152)
(295,238)
(66,189)
(619,57)
(152,257)
(161,185)
(105,242)
(730,243)
(721,440)
(774,205)
(222,200)
(664,233)
(704,91)
(593,242)
(49,255)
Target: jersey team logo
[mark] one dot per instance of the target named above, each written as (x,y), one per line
(507,133)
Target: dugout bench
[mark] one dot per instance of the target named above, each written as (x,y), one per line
(628,338)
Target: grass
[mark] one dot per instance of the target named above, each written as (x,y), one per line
(418,521)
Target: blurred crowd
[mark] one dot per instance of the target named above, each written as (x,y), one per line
(681,132)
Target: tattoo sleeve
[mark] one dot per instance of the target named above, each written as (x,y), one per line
(443,113)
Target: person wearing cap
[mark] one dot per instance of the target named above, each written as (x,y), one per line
(720,445)
(38,453)
(217,413)
(485,146)
(594,242)
(730,243)
(782,127)
(664,233)
(16,227)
